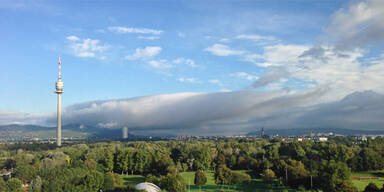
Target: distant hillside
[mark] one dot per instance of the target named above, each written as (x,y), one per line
(20,132)
(301,131)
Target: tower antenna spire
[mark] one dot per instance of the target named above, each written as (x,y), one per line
(59,66)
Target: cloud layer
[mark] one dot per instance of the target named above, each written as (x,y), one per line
(223,113)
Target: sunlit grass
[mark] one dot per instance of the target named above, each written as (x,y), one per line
(361,184)
(256,184)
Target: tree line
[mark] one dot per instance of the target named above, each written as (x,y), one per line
(91,167)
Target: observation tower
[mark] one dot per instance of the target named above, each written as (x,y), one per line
(59,91)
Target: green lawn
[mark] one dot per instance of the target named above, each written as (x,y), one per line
(133,179)
(255,185)
(361,184)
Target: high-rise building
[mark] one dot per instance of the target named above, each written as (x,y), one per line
(59,91)
(262,132)
(125,132)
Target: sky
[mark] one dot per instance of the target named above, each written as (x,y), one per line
(193,67)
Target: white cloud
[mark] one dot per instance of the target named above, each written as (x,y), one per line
(160,65)
(119,29)
(253,58)
(278,55)
(214,81)
(223,50)
(144,53)
(224,40)
(359,24)
(188,62)
(108,125)
(271,78)
(341,71)
(87,47)
(244,75)
(255,37)
(73,38)
(188,80)
(148,37)
(22,118)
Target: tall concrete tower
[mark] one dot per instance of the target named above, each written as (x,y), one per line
(59,91)
(125,132)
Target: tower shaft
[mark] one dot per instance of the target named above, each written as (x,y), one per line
(59,119)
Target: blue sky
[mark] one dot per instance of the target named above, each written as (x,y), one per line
(35,33)
(124,49)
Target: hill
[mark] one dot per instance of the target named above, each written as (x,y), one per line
(16,132)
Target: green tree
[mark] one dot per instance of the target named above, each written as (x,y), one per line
(93,181)
(371,187)
(202,158)
(238,178)
(36,184)
(14,185)
(141,161)
(118,180)
(173,183)
(108,160)
(268,176)
(2,184)
(200,178)
(296,172)
(90,164)
(161,166)
(120,163)
(223,175)
(108,182)
(25,173)
(332,174)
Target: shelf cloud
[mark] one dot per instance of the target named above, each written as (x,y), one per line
(220,113)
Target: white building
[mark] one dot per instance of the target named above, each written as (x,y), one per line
(148,187)
(323,139)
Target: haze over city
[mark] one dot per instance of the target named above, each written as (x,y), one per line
(194,67)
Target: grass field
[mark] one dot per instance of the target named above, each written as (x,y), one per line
(361,184)
(255,184)
(133,179)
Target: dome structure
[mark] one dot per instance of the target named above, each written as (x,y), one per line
(148,187)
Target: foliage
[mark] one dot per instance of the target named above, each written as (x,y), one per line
(25,173)
(223,175)
(239,178)
(14,185)
(93,181)
(268,176)
(36,184)
(2,183)
(200,178)
(82,167)
(108,182)
(371,187)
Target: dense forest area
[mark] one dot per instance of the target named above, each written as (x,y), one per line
(323,166)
